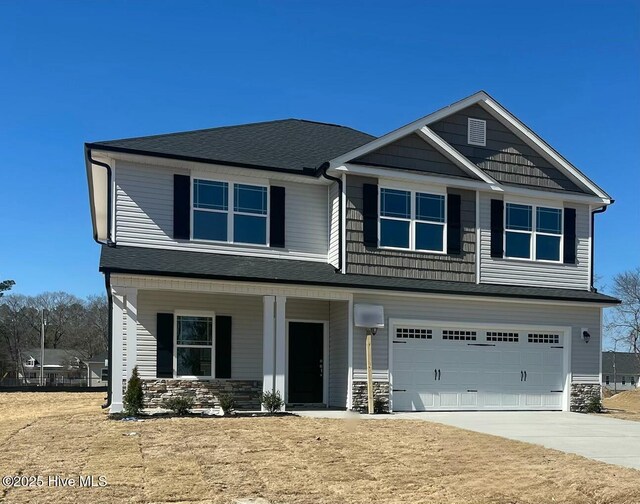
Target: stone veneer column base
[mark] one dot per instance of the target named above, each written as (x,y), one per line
(380,396)
(581,394)
(246,393)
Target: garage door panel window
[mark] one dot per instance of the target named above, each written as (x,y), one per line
(458,335)
(544,338)
(533,232)
(507,337)
(413,333)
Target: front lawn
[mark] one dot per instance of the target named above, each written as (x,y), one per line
(284,460)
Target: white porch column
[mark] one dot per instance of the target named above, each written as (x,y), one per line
(268,343)
(281,331)
(117,351)
(131,298)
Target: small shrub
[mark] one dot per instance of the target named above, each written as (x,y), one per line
(379,406)
(180,405)
(133,396)
(271,401)
(227,403)
(594,405)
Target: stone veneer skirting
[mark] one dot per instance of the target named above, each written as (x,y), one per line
(380,395)
(205,392)
(582,393)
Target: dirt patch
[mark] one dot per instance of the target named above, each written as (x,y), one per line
(284,459)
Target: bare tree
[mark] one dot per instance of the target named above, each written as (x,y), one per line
(624,321)
(16,328)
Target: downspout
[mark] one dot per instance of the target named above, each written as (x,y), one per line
(107,282)
(323,169)
(593,242)
(110,242)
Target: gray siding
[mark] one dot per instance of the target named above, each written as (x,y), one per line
(338,353)
(585,358)
(505,157)
(373,261)
(538,274)
(334,225)
(412,153)
(246,338)
(144,214)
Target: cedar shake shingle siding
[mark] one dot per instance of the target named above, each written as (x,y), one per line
(506,158)
(395,263)
(412,153)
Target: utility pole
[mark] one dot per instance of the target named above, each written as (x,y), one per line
(42,327)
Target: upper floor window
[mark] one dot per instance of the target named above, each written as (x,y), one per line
(230,212)
(533,232)
(412,220)
(31,362)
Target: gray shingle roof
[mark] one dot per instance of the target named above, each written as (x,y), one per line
(288,144)
(180,263)
(53,356)
(626,363)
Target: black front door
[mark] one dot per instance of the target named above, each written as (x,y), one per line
(305,362)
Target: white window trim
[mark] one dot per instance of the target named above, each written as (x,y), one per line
(191,313)
(413,220)
(533,233)
(102,373)
(481,144)
(230,211)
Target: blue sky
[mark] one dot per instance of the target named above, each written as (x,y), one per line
(83,71)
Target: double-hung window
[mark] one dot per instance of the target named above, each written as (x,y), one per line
(230,212)
(194,345)
(533,232)
(412,220)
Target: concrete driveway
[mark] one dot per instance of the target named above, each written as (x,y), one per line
(597,437)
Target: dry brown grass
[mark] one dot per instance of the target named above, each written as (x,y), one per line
(625,405)
(285,459)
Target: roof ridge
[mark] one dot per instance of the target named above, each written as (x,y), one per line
(218,128)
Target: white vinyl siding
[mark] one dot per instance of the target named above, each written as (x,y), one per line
(535,273)
(338,353)
(334,225)
(246,323)
(144,215)
(585,357)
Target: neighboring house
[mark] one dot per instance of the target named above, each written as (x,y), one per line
(61,367)
(97,371)
(620,370)
(234,258)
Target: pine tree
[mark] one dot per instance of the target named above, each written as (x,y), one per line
(133,395)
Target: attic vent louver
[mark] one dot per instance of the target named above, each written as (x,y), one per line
(477,132)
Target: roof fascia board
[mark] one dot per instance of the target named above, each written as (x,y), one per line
(436,141)
(534,141)
(425,177)
(408,128)
(202,165)
(308,172)
(407,176)
(391,291)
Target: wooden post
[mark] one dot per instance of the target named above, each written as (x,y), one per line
(369,374)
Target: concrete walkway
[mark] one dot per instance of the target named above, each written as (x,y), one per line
(597,437)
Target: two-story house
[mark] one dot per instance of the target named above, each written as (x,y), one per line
(234,258)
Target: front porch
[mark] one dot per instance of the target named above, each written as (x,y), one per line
(207,338)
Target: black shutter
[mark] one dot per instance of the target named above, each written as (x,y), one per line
(223,347)
(181,206)
(370,214)
(497,228)
(164,350)
(276,217)
(454,225)
(569,236)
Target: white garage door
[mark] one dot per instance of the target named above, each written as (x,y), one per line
(438,368)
